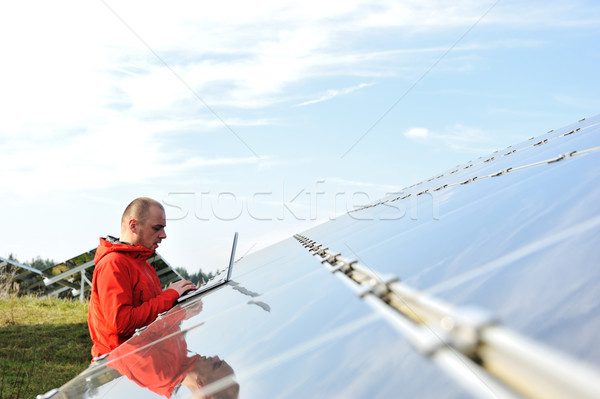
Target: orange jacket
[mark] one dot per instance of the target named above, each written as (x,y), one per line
(126,294)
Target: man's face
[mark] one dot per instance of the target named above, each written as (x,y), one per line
(152,231)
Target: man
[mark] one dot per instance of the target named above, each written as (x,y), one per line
(126,291)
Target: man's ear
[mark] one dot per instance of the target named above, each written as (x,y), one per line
(132,225)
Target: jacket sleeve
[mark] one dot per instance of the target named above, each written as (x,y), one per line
(115,288)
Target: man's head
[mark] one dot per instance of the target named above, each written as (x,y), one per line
(143,223)
(208,370)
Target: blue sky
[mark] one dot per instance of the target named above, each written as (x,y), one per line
(265,118)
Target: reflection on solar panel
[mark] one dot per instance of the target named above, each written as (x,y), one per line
(71,278)
(479,282)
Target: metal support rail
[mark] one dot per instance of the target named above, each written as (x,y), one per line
(63,278)
(64,275)
(4,262)
(490,360)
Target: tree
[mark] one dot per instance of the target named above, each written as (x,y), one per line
(199,277)
(40,264)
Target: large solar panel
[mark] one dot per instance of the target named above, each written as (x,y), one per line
(479,282)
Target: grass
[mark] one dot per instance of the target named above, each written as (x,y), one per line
(44,342)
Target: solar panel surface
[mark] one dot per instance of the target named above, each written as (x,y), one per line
(514,234)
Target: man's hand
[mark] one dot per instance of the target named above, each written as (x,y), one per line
(182,286)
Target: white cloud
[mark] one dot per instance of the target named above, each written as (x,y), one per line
(63,65)
(121,151)
(417,133)
(458,138)
(332,93)
(72,65)
(199,161)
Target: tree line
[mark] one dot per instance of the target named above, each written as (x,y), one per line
(37,263)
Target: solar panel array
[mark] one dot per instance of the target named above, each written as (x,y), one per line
(479,282)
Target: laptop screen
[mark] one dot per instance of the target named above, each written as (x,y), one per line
(215,282)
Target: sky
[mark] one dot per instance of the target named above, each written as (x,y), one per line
(265,118)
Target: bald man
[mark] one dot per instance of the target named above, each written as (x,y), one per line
(126,291)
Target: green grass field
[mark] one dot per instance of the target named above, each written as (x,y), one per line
(44,342)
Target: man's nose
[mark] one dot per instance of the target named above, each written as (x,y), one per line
(163,234)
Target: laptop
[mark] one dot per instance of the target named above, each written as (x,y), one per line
(216,281)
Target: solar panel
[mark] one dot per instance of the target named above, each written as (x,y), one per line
(479,282)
